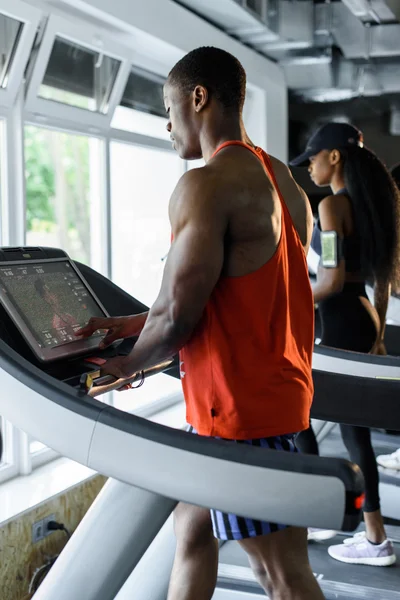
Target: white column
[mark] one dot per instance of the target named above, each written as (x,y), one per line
(107,545)
(160,557)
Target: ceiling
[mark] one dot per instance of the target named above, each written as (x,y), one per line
(330,51)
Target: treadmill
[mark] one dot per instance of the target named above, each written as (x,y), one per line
(150,466)
(50,383)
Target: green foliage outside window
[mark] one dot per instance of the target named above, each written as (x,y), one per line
(58,188)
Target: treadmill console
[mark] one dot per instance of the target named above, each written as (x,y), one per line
(48,300)
(44,298)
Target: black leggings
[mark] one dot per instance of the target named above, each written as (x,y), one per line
(358,443)
(347,324)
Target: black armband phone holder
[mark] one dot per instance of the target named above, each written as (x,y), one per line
(332,249)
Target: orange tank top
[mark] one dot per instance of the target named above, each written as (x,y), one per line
(246,371)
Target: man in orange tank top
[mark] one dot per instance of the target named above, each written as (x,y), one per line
(236,302)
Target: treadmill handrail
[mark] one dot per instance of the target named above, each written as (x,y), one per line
(41,382)
(70,399)
(388,360)
(356,401)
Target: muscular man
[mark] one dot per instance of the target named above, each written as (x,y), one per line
(235,301)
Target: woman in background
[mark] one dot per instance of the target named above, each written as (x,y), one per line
(356,237)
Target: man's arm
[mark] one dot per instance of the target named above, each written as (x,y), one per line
(193,267)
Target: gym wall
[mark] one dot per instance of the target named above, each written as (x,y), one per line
(20,559)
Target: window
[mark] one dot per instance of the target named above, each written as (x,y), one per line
(64,206)
(142,181)
(64,193)
(79,76)
(141,237)
(18,26)
(38,453)
(256,6)
(135,121)
(142,109)
(3,428)
(10,31)
(2,436)
(2,190)
(35,446)
(195,164)
(144,92)
(8,466)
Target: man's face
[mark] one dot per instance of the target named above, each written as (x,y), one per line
(183,122)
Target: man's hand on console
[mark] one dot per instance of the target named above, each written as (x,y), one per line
(117,328)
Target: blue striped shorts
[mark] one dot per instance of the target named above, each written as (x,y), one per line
(227,526)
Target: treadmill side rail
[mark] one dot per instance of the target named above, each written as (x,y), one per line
(219,474)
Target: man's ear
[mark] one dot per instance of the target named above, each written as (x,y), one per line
(200,97)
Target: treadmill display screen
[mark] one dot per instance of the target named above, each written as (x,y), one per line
(49,301)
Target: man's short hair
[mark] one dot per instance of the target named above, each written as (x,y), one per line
(218,71)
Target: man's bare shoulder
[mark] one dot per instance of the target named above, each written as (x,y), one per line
(202,182)
(286,182)
(198,178)
(279,167)
(196,193)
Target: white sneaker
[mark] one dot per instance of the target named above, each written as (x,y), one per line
(320,535)
(359,551)
(389,461)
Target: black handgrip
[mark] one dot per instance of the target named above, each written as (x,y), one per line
(88,380)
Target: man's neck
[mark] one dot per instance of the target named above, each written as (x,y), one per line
(213,136)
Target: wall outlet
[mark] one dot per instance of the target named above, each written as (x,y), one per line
(37,531)
(46,520)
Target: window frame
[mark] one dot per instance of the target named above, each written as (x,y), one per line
(41,457)
(17,458)
(9,468)
(75,33)
(30,17)
(4,116)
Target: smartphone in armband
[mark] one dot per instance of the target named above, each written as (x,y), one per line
(332,249)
